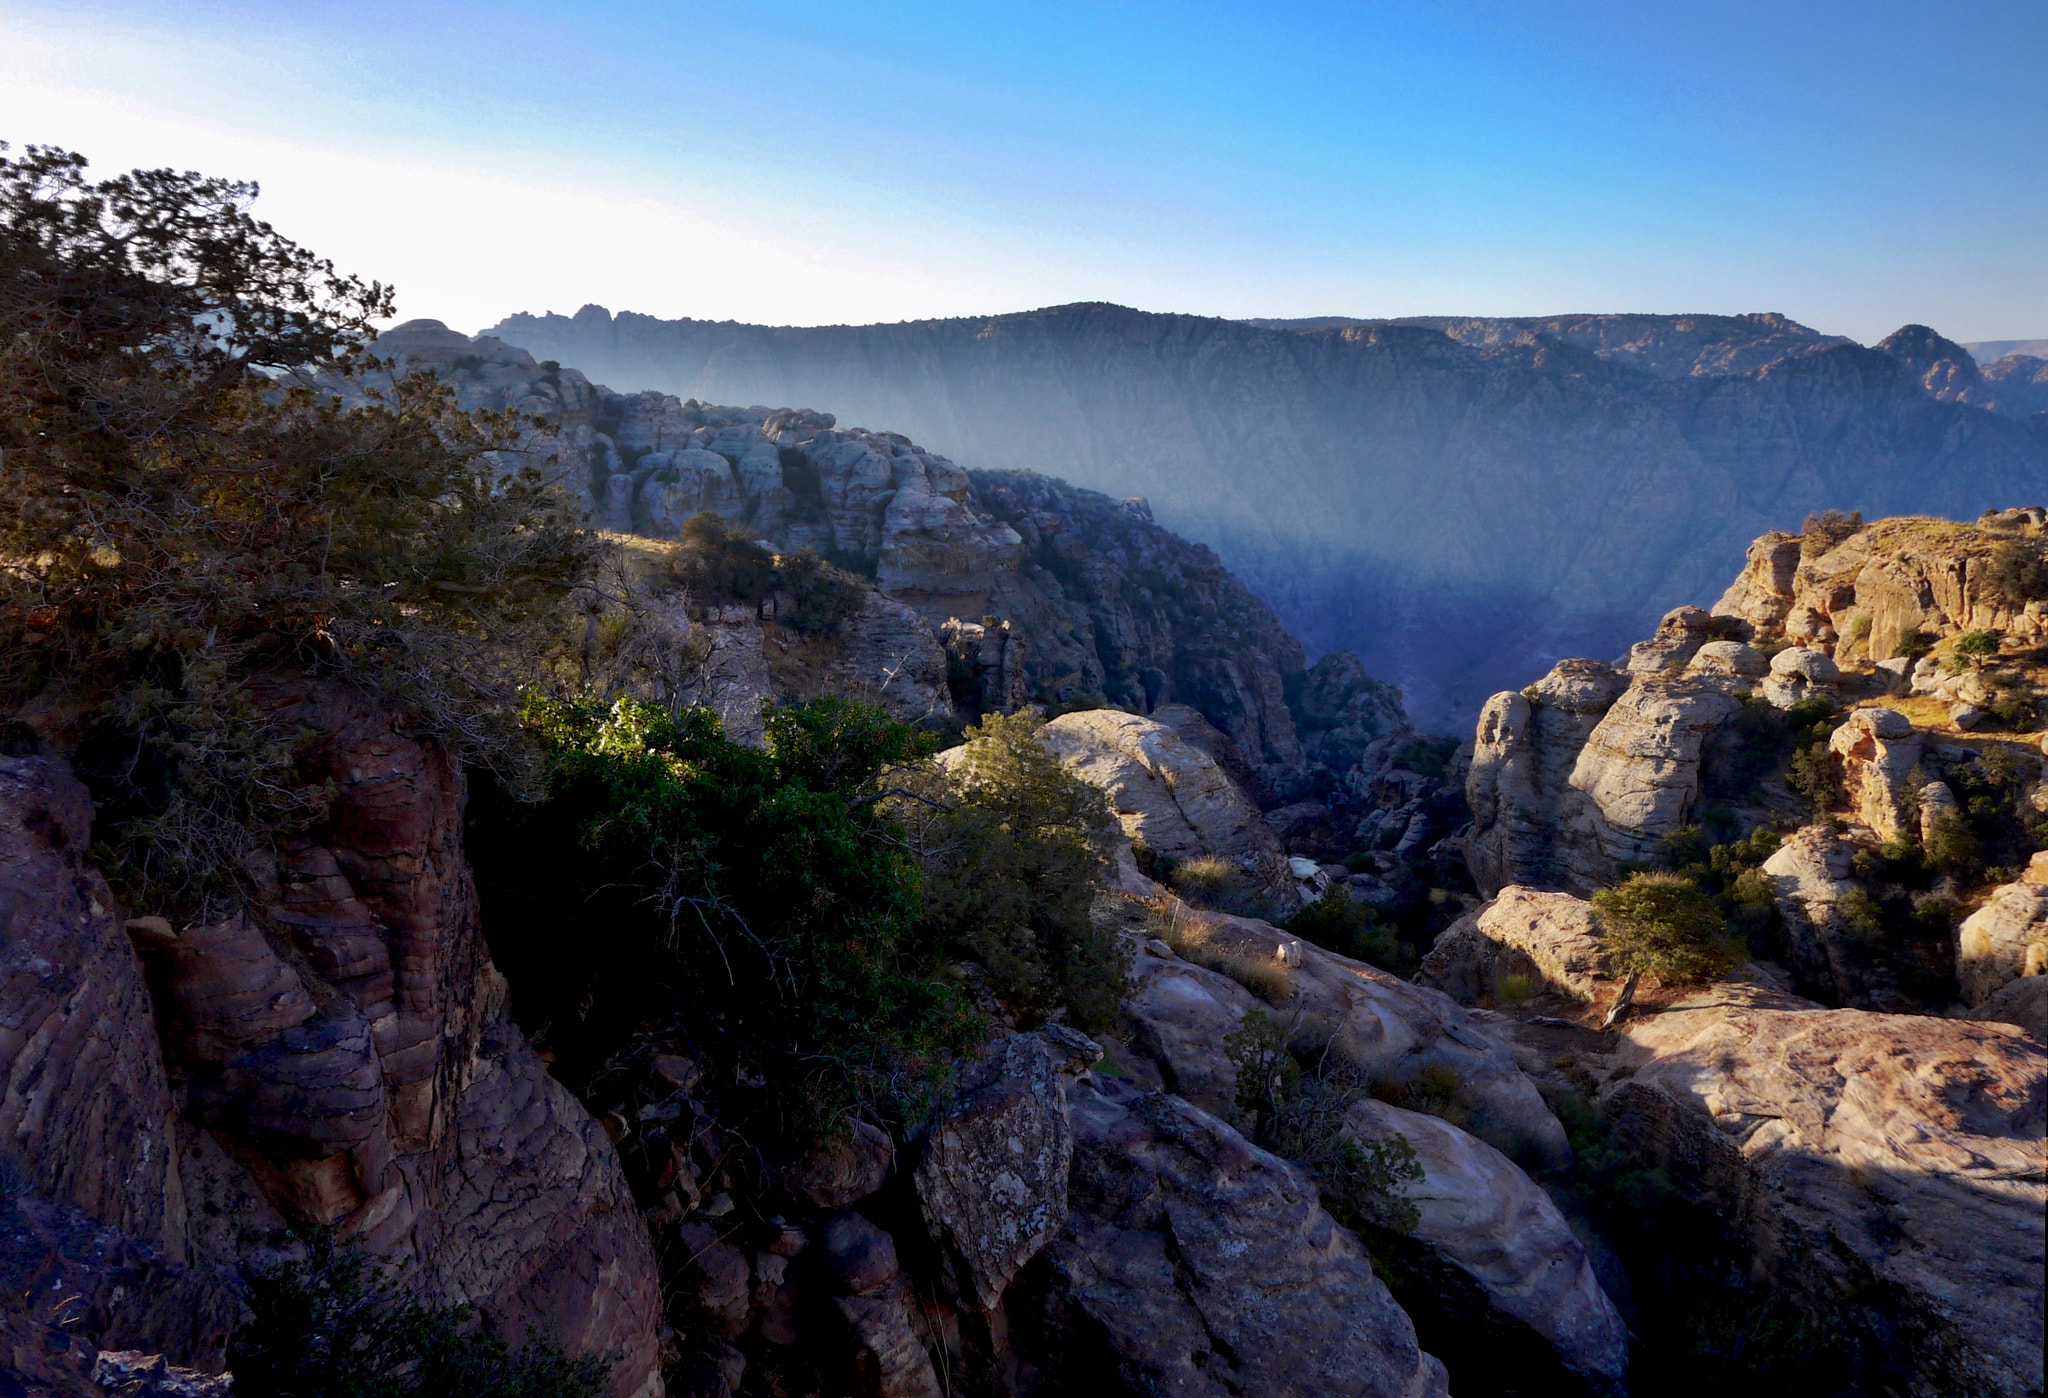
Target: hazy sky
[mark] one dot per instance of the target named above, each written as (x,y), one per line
(1855,165)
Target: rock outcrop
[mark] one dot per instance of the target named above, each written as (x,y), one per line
(993,1180)
(2006,939)
(346,1041)
(1880,752)
(1887,581)
(1885,1169)
(1195,1263)
(1587,769)
(1170,797)
(1483,1223)
(1550,938)
(1380,1025)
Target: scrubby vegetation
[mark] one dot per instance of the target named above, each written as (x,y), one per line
(1302,1114)
(186,517)
(1827,528)
(1335,922)
(334,1325)
(720,562)
(2017,572)
(1662,925)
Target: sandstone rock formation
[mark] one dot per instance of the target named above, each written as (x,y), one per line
(1552,938)
(368,1080)
(1893,578)
(1169,796)
(1449,499)
(1380,1025)
(1195,1263)
(1585,770)
(1887,1169)
(1484,1220)
(1879,752)
(2006,939)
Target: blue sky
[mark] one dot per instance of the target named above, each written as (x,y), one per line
(1857,166)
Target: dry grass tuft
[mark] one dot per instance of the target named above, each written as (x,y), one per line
(1260,968)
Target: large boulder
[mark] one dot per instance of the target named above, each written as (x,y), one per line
(1194,1263)
(1824,911)
(1997,943)
(993,1180)
(1679,637)
(1484,1225)
(1637,779)
(1886,1170)
(1169,795)
(1553,938)
(1878,750)
(1380,1025)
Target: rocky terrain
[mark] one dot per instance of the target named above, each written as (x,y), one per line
(1459,502)
(1847,748)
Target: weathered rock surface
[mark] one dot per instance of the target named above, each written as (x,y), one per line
(875,1299)
(993,1180)
(1380,1024)
(1550,937)
(1879,750)
(1680,635)
(1523,759)
(1812,874)
(1995,944)
(1484,1218)
(1169,796)
(1887,1168)
(1194,1263)
(370,1079)
(1637,779)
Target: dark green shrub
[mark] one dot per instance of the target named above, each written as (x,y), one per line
(1912,645)
(336,1326)
(2017,573)
(1011,847)
(1977,644)
(1336,923)
(763,900)
(1812,775)
(720,562)
(1662,925)
(821,594)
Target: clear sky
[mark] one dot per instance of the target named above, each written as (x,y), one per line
(1855,165)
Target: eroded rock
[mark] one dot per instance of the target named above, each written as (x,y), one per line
(1194,1263)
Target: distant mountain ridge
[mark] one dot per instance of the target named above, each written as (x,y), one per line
(1460,501)
(1985,351)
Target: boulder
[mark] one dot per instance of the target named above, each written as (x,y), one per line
(1885,1169)
(1799,673)
(1878,750)
(1553,938)
(1480,1217)
(993,1180)
(1812,877)
(1194,1263)
(1168,795)
(1379,1024)
(1637,779)
(874,1297)
(1732,663)
(843,1170)
(1995,942)
(1679,637)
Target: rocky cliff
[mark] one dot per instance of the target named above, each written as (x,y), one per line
(1459,502)
(339,1057)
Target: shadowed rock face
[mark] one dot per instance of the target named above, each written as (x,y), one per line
(1459,502)
(341,1054)
(1889,1166)
(1195,1263)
